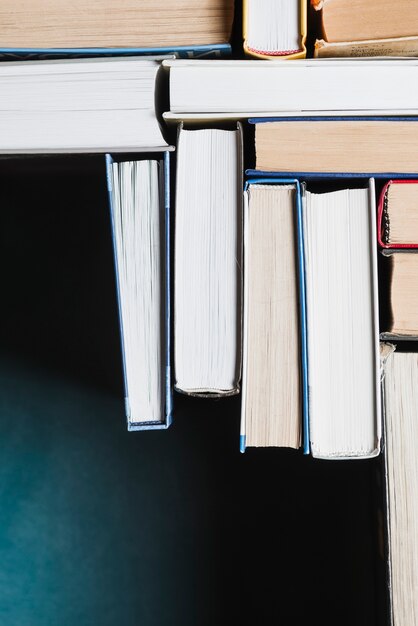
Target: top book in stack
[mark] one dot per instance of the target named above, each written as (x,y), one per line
(44,25)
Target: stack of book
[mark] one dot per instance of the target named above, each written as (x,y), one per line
(274,289)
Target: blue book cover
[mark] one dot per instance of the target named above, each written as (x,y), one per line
(275,180)
(165,180)
(212,51)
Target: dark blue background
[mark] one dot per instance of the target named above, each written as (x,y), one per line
(103,527)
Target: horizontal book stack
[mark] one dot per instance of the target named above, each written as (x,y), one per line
(247,216)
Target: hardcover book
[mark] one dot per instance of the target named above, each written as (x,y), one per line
(207,272)
(274,390)
(339,236)
(397,217)
(80,105)
(275,28)
(139,199)
(54,27)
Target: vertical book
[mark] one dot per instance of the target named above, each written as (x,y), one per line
(207,266)
(273,333)
(342,323)
(140,219)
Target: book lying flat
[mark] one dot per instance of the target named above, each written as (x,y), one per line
(339,237)
(207,265)
(206,89)
(397,212)
(271,407)
(402,280)
(393,47)
(82,105)
(140,218)
(337,145)
(349,20)
(43,24)
(400,382)
(274,28)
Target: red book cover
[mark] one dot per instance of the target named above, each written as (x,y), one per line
(383,219)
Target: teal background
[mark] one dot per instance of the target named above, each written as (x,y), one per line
(103,527)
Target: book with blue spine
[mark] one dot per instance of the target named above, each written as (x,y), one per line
(48,28)
(337,146)
(365,207)
(143,292)
(265,421)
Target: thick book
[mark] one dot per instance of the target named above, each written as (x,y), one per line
(400,403)
(274,383)
(383,146)
(139,199)
(216,89)
(207,262)
(275,28)
(397,215)
(82,105)
(50,26)
(339,236)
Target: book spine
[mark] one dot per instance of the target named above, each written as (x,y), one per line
(383,227)
(303,317)
(168,379)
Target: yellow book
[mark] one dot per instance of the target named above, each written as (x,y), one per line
(275,28)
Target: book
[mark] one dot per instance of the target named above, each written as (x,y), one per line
(397,214)
(207,262)
(274,28)
(215,89)
(401,286)
(356,20)
(271,406)
(400,390)
(339,235)
(50,25)
(140,217)
(393,47)
(338,145)
(82,105)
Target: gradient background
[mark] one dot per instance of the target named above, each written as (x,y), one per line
(102,527)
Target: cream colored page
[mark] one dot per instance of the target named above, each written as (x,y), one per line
(401,400)
(343,146)
(272,391)
(404,293)
(127,23)
(400,47)
(402,207)
(370,19)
